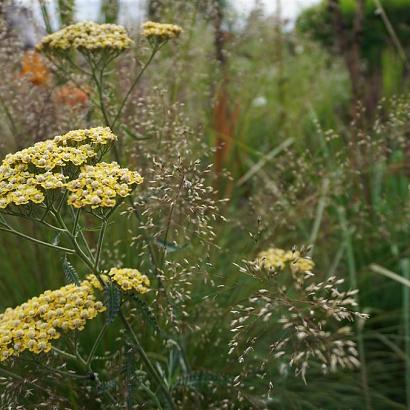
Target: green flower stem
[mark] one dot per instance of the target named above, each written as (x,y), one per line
(151,250)
(45,15)
(12,123)
(37,241)
(81,232)
(8,373)
(150,367)
(85,366)
(95,345)
(76,219)
(75,356)
(66,74)
(135,82)
(144,356)
(98,80)
(99,245)
(77,247)
(63,353)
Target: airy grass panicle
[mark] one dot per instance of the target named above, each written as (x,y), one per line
(305,316)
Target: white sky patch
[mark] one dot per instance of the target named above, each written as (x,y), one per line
(132,11)
(289,8)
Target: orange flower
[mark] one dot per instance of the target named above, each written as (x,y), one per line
(69,94)
(33,67)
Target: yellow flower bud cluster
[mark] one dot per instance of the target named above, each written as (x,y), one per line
(86,36)
(278,259)
(159,31)
(34,324)
(26,174)
(99,185)
(130,279)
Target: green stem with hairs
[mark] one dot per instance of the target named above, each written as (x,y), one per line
(95,345)
(150,367)
(135,82)
(37,241)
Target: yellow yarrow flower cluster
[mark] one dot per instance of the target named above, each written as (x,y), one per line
(162,32)
(99,185)
(48,155)
(33,325)
(26,174)
(94,136)
(278,259)
(130,279)
(86,36)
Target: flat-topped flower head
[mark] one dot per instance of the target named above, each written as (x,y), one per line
(102,185)
(34,324)
(86,36)
(160,31)
(129,279)
(22,187)
(48,155)
(26,175)
(96,136)
(75,147)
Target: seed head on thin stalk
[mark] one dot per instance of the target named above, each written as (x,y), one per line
(305,317)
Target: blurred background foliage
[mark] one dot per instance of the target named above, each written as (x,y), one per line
(306,127)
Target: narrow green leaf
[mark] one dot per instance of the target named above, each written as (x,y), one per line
(169,246)
(201,379)
(135,135)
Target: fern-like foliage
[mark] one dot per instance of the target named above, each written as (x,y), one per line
(70,273)
(148,314)
(200,380)
(112,301)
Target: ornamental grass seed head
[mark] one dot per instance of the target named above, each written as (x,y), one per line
(305,315)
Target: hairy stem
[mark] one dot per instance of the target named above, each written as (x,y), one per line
(150,367)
